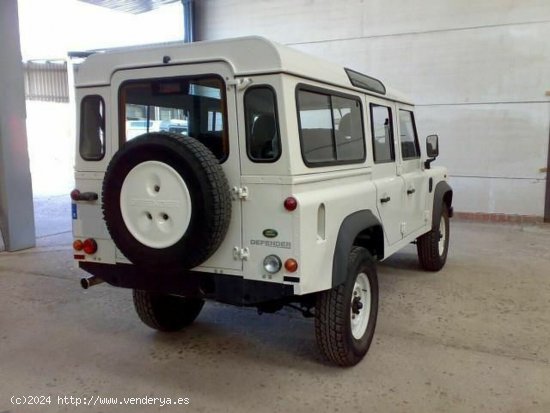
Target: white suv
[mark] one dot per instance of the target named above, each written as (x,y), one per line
(292,177)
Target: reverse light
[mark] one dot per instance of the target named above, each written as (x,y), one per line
(290,203)
(291,265)
(78,245)
(272,264)
(90,246)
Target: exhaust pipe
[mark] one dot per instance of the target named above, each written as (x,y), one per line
(90,282)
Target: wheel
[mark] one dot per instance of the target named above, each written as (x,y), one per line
(433,246)
(166,312)
(345,316)
(166,201)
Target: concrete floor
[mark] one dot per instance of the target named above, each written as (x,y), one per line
(473,337)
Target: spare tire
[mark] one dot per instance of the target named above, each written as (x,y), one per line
(166,201)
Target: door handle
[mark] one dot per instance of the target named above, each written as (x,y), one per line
(385,199)
(411,191)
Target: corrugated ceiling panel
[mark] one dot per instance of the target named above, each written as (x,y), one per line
(130,6)
(46,81)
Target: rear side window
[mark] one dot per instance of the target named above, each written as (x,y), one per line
(410,149)
(92,128)
(263,143)
(331,128)
(382,133)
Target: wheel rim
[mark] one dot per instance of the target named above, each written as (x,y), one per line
(361,302)
(155,204)
(442,236)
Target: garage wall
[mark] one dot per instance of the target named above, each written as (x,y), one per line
(478,70)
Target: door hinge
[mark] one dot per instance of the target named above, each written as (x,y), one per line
(241,192)
(241,83)
(241,253)
(403,228)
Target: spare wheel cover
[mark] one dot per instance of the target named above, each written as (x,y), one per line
(155,204)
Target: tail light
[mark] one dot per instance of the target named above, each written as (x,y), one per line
(90,246)
(75,195)
(290,203)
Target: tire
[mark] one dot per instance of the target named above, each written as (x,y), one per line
(433,246)
(166,201)
(343,331)
(166,312)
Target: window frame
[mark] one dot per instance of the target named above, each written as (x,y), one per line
(246,125)
(392,145)
(104,143)
(122,109)
(329,92)
(416,143)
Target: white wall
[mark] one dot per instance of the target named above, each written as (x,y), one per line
(478,70)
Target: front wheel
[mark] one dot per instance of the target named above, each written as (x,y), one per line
(433,246)
(166,312)
(345,316)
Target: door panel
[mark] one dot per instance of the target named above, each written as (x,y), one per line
(389,191)
(416,182)
(208,121)
(415,195)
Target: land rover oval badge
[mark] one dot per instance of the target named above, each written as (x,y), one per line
(270,233)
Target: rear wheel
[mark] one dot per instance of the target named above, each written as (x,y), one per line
(433,246)
(166,312)
(345,316)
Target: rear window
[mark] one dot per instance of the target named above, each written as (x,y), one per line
(187,106)
(331,128)
(92,128)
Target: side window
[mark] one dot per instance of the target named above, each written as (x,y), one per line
(350,140)
(409,139)
(92,128)
(262,127)
(331,128)
(316,127)
(382,133)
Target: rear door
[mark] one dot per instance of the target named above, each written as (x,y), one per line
(389,185)
(203,108)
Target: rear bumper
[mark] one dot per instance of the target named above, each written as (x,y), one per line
(220,287)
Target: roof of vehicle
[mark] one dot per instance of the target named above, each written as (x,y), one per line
(246,56)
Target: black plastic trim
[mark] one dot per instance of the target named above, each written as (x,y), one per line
(228,289)
(328,92)
(441,189)
(350,228)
